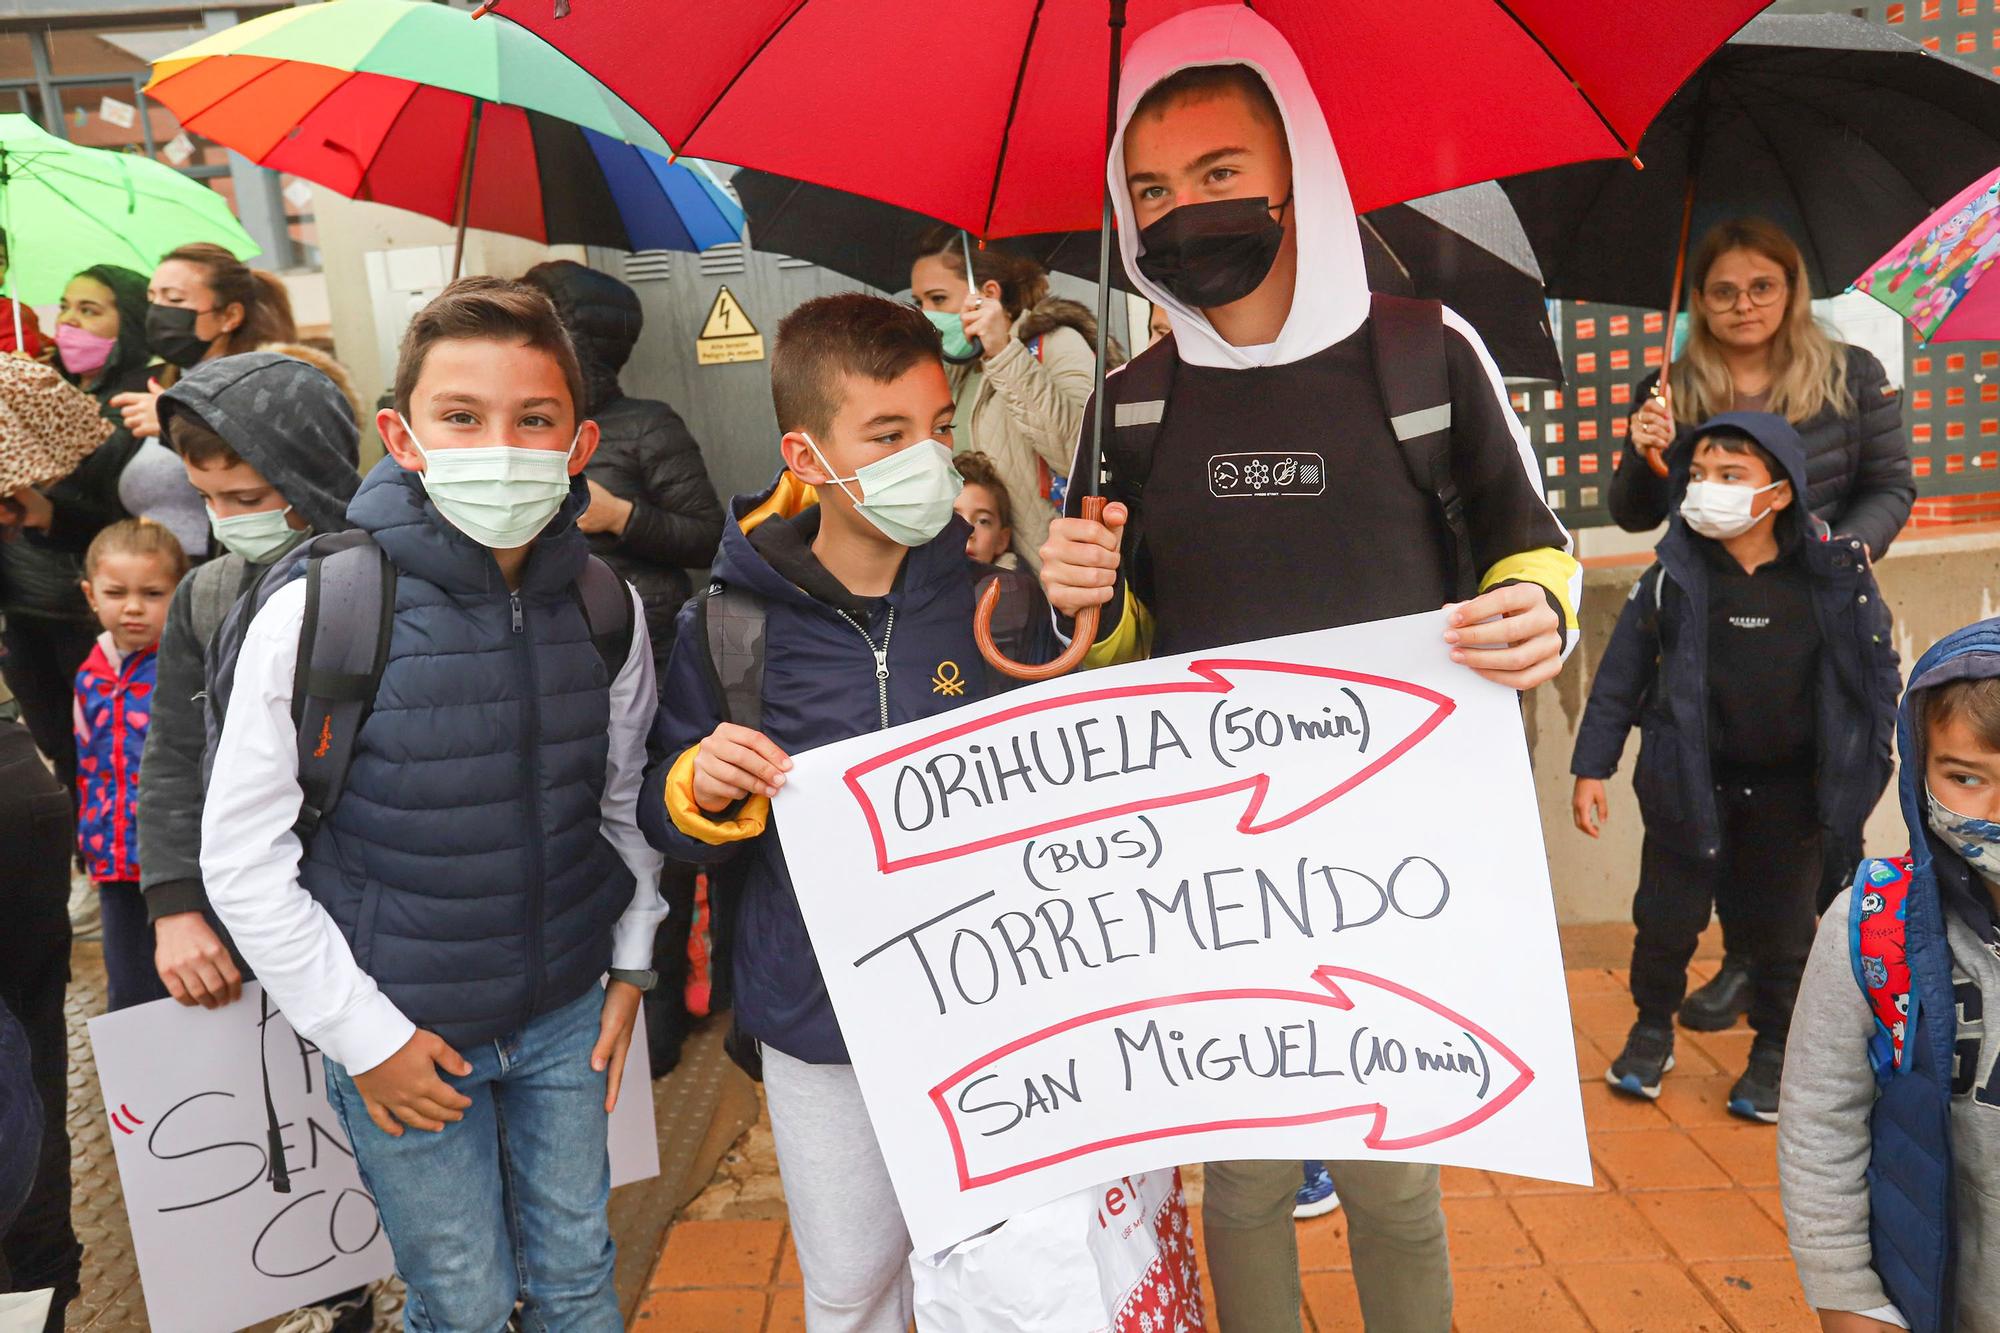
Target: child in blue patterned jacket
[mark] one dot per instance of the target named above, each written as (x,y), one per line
(130,573)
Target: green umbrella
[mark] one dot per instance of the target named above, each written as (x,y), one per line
(66,208)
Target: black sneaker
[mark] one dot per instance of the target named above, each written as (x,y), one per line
(1648,1055)
(1716,1006)
(1755,1096)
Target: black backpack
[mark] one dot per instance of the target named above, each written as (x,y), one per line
(1407,341)
(344,646)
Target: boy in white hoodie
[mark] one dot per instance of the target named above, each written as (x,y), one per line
(1259,436)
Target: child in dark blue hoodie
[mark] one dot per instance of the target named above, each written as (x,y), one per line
(866,596)
(1754,656)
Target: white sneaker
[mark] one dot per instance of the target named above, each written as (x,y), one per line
(332,1316)
(86,917)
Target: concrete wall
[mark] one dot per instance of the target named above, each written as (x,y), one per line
(349,230)
(1934,584)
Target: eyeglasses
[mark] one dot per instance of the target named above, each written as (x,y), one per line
(1723,296)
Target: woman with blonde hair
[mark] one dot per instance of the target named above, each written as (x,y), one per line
(1754,346)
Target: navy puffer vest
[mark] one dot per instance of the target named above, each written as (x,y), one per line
(465,862)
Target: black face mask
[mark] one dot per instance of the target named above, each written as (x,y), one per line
(170,334)
(1215,253)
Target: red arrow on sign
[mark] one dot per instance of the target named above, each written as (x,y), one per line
(1320,738)
(1464,1076)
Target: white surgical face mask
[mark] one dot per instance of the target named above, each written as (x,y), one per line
(1720,510)
(259,538)
(909,494)
(499,495)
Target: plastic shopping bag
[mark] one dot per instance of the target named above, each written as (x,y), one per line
(1115,1259)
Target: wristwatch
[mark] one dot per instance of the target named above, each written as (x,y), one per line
(645,980)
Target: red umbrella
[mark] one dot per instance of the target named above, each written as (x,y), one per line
(985,114)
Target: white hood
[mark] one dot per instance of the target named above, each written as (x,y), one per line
(1332,297)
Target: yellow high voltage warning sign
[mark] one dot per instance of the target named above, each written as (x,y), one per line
(727,336)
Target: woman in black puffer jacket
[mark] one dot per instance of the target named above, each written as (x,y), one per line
(653,512)
(1753,346)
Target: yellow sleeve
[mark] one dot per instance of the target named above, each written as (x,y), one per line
(1131,641)
(1545,567)
(690,819)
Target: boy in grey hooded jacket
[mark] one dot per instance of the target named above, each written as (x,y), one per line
(1889,1129)
(261,434)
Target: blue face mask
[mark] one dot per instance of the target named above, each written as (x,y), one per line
(958,349)
(1977,840)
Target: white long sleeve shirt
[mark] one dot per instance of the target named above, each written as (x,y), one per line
(250,855)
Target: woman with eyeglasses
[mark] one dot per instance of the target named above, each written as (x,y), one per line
(1753,346)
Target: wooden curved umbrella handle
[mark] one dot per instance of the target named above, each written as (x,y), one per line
(1083,634)
(1656,459)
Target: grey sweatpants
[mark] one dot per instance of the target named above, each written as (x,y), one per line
(854,1251)
(1395,1233)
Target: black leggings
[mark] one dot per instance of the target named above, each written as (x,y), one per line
(1762,886)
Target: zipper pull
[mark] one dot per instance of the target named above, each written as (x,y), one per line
(881,663)
(514,601)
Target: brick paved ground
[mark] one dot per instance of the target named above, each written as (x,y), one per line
(1681,1230)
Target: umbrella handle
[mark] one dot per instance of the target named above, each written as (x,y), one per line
(1658,460)
(1082,636)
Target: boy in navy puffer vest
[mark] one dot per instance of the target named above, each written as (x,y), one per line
(1889,1145)
(442,935)
(867,598)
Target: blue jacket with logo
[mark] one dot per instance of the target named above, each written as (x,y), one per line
(835,666)
(1654,674)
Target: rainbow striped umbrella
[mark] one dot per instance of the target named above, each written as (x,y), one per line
(479,124)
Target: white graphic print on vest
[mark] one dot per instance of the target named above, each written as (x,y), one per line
(1750,622)
(1265,475)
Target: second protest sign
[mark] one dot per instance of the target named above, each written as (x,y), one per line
(1284,900)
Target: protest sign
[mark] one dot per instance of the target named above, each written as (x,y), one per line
(217,1246)
(1283,900)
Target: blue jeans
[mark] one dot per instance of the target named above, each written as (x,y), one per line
(129,975)
(509,1203)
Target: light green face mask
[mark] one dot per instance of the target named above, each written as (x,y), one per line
(501,496)
(259,538)
(958,348)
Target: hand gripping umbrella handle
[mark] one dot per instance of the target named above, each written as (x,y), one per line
(1083,634)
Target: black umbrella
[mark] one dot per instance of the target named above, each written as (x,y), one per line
(1463,247)
(1836,129)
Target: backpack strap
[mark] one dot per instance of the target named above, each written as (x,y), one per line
(1139,394)
(1877,942)
(1415,381)
(732,623)
(607,608)
(210,595)
(343,647)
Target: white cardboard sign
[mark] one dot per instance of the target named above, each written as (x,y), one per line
(217,1247)
(1286,899)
